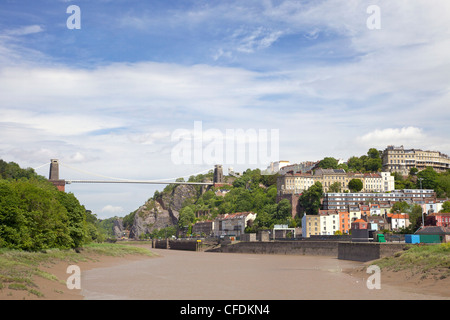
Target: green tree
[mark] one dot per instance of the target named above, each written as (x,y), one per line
(335,187)
(371,162)
(283,211)
(13,221)
(373,165)
(355,185)
(310,199)
(186,218)
(403,183)
(445,206)
(78,226)
(355,164)
(263,220)
(13,171)
(374,153)
(328,163)
(427,179)
(443,185)
(400,206)
(34,215)
(41,221)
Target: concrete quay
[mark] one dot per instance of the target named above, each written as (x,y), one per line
(355,251)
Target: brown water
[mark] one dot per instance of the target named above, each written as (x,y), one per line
(221,276)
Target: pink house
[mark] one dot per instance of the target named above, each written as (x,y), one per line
(359,224)
(442,219)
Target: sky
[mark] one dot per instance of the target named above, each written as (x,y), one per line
(156,89)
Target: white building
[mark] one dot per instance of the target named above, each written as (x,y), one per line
(329,222)
(274,167)
(233,224)
(343,200)
(354,213)
(375,209)
(379,182)
(294,183)
(399,221)
(297,183)
(399,159)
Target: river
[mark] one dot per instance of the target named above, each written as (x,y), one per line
(187,275)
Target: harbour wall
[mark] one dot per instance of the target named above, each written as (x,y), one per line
(355,251)
(318,248)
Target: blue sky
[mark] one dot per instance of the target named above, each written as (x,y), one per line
(108,97)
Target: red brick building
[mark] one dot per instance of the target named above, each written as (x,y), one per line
(439,219)
(359,224)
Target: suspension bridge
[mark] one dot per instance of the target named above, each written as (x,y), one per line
(61,183)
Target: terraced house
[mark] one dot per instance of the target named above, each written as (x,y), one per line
(343,200)
(296,183)
(332,221)
(401,160)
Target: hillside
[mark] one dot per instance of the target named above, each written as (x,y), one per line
(177,207)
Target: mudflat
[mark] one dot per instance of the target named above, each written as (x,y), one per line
(176,275)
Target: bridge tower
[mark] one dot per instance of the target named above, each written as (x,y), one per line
(54,175)
(218,174)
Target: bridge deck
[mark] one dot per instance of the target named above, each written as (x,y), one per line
(139,182)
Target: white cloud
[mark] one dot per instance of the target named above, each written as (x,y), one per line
(23,31)
(249,41)
(407,136)
(113,210)
(384,87)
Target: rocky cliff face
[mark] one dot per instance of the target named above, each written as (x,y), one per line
(161,212)
(118,227)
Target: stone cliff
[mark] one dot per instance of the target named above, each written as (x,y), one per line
(118,227)
(161,211)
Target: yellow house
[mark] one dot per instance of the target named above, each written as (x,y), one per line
(310,225)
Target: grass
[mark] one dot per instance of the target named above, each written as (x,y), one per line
(18,268)
(426,260)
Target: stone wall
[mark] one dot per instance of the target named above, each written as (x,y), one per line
(360,251)
(342,250)
(321,248)
(190,245)
(355,251)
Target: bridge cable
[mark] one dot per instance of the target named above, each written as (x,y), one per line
(41,166)
(129,180)
(93,174)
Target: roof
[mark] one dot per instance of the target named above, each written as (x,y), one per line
(321,171)
(372,175)
(237,215)
(445,214)
(433,230)
(359,221)
(327,212)
(398,216)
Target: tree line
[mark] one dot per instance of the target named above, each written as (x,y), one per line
(34,215)
(371,162)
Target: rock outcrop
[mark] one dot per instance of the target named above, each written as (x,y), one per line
(118,227)
(162,211)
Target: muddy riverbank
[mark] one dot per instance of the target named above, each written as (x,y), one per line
(176,275)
